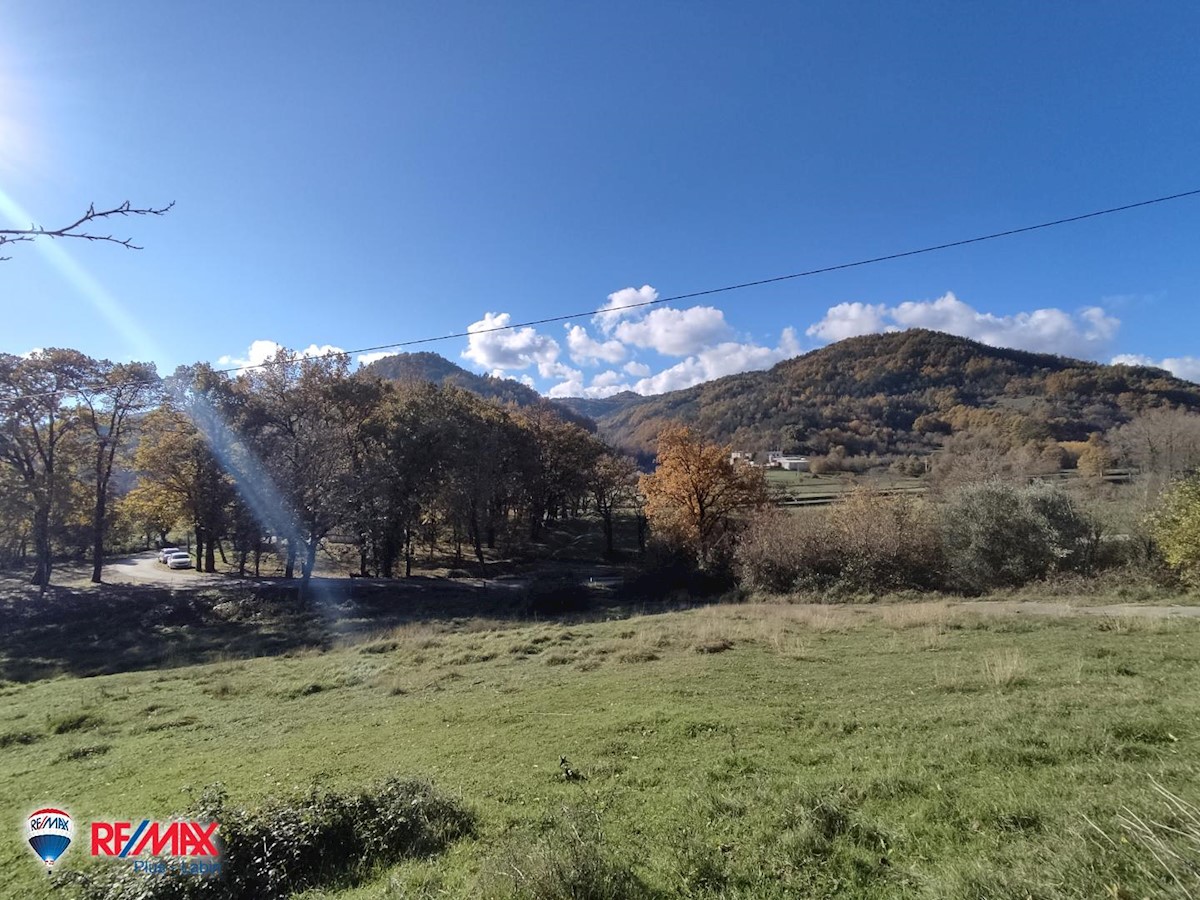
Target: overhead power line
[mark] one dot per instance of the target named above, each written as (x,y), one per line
(709,292)
(745,284)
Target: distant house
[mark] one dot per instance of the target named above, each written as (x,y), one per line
(773,457)
(741,456)
(792,463)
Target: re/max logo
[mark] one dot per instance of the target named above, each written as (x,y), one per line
(121,839)
(38,823)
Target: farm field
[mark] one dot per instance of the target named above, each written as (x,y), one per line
(897,750)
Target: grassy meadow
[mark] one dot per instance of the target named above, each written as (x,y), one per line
(753,750)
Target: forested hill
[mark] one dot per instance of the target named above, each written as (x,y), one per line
(897,393)
(439,370)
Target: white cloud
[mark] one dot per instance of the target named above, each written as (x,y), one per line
(585,349)
(727,358)
(618,301)
(848,320)
(607,379)
(636,369)
(507,349)
(605,384)
(365,359)
(1086,333)
(552,369)
(261,351)
(1134,359)
(676,332)
(1186,367)
(572,387)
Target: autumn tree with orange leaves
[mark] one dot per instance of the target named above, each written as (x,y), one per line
(696,493)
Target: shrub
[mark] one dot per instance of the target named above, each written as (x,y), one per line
(320,838)
(868,542)
(1176,526)
(887,543)
(778,549)
(672,573)
(997,534)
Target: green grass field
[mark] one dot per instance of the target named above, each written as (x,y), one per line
(915,750)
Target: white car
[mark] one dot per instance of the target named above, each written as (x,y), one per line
(179,560)
(165,552)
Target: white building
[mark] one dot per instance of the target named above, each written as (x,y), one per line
(793,463)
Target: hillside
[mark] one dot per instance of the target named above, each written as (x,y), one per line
(897,393)
(437,369)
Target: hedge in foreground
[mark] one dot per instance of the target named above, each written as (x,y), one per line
(317,839)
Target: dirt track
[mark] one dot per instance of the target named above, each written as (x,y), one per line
(1041,608)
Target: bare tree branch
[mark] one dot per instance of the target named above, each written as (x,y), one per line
(78,228)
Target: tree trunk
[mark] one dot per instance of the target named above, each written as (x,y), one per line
(199,548)
(608,532)
(473,531)
(290,569)
(387,554)
(98,515)
(210,556)
(310,558)
(408,555)
(41,547)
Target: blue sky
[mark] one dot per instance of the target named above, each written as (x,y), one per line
(355,174)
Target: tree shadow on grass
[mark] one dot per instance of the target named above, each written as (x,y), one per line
(109,628)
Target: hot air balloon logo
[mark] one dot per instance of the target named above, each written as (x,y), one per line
(50,833)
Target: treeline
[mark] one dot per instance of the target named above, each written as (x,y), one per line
(280,458)
(978,531)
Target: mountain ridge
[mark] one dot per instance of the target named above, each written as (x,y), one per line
(898,392)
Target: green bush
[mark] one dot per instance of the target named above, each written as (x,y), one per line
(1176,526)
(999,534)
(287,846)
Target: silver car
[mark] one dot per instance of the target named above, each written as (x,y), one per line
(179,560)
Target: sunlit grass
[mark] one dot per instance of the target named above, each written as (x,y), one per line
(756,750)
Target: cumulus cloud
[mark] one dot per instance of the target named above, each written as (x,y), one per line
(636,369)
(848,320)
(517,348)
(572,386)
(365,359)
(1086,333)
(585,349)
(261,351)
(552,369)
(617,306)
(676,332)
(726,358)
(1186,367)
(605,384)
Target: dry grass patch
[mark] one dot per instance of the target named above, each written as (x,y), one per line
(1005,668)
(938,615)
(1135,624)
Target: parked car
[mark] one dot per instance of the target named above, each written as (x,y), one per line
(179,560)
(166,552)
